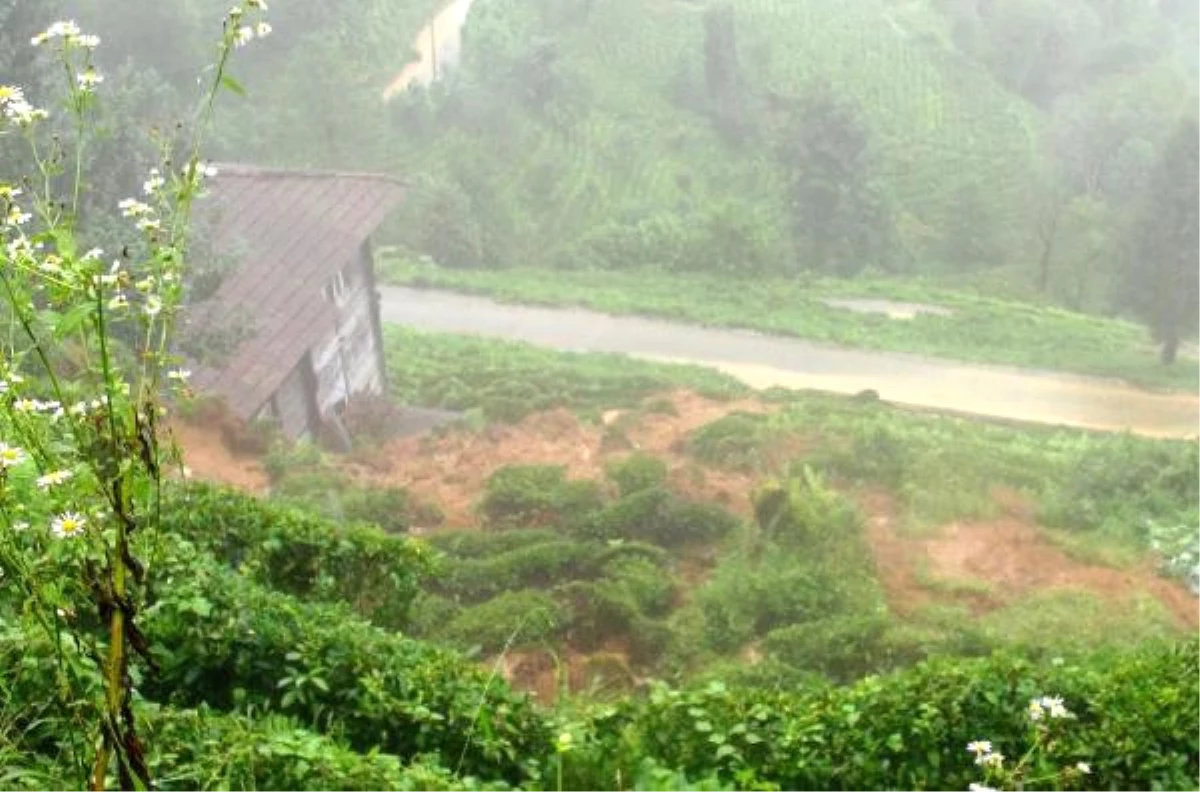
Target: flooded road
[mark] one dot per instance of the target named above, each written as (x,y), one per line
(438,46)
(763,361)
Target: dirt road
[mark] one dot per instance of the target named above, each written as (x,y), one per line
(763,361)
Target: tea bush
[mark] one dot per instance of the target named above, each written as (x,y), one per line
(1136,717)
(636,472)
(223,640)
(646,581)
(203,749)
(299,554)
(518,618)
(599,611)
(533,566)
(484,544)
(658,516)
(536,495)
(807,562)
(803,511)
(193,748)
(317,488)
(1126,479)
(845,648)
(733,442)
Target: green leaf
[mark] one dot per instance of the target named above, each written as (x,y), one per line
(232,85)
(895,742)
(69,323)
(725,750)
(201,607)
(64,241)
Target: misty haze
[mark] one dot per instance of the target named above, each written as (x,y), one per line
(599,394)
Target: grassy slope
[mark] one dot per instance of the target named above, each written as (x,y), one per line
(509,380)
(1091,491)
(982,329)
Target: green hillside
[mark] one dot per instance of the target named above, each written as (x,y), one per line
(505,567)
(625,143)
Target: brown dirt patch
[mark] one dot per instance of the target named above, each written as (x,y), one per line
(539,673)
(451,470)
(1010,555)
(208,458)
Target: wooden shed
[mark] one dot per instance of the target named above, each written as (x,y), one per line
(292,332)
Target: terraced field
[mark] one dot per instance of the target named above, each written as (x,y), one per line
(631,148)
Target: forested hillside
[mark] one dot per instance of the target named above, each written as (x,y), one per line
(1006,144)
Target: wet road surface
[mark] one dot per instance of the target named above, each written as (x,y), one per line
(763,361)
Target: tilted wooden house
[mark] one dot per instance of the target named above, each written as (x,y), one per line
(292,332)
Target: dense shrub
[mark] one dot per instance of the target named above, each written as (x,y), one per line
(331,494)
(733,441)
(222,640)
(749,597)
(658,516)
(192,747)
(1126,479)
(534,566)
(430,613)
(845,648)
(297,553)
(599,610)
(536,495)
(808,562)
(877,455)
(802,511)
(645,580)
(483,544)
(636,472)
(606,609)
(1135,726)
(202,749)
(516,618)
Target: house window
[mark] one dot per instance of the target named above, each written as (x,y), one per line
(335,290)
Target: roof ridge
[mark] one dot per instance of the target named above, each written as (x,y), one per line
(263,171)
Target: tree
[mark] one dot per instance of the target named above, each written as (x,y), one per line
(972,239)
(838,217)
(1163,274)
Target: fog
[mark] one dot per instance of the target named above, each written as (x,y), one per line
(1032,152)
(707,370)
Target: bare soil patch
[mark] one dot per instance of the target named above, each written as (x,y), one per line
(1009,554)
(544,676)
(451,469)
(207,457)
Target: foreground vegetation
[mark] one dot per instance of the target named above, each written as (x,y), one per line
(981,329)
(270,676)
(155,633)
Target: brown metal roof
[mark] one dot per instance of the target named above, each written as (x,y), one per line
(291,231)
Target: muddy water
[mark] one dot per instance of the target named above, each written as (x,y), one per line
(438,46)
(763,361)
